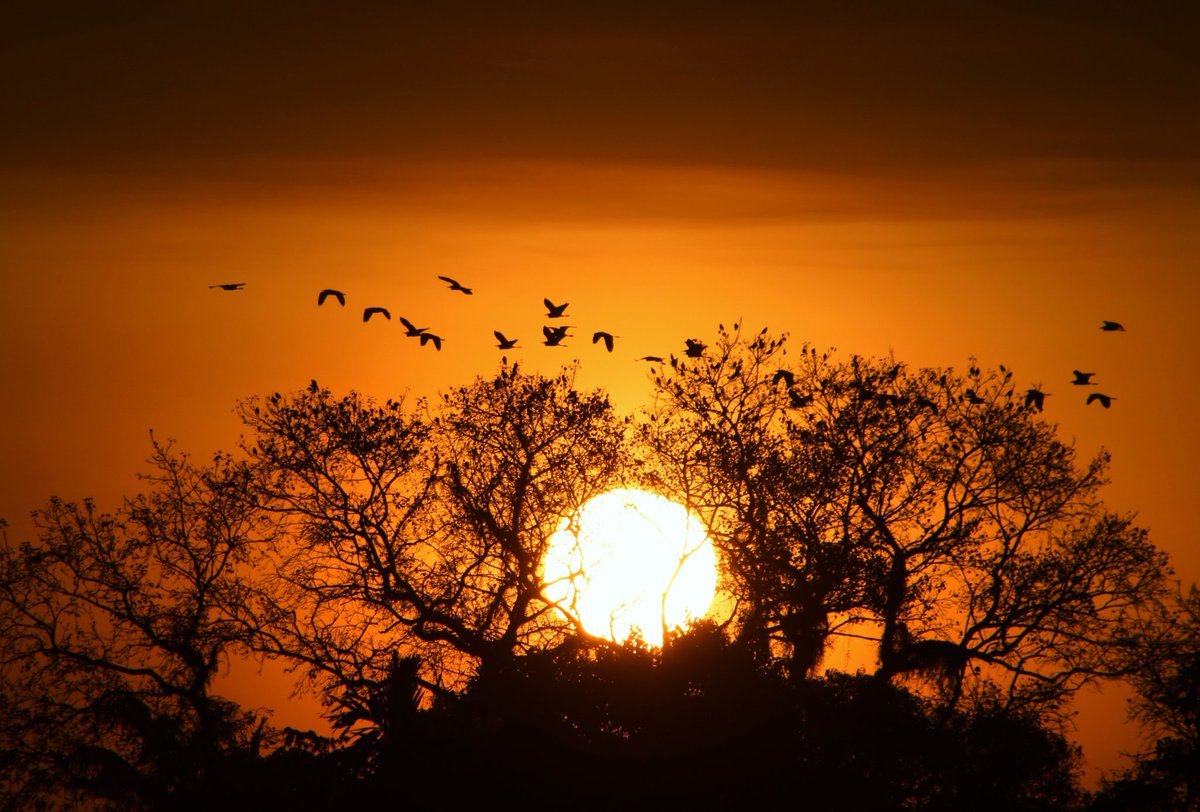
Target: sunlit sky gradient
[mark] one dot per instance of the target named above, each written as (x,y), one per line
(954,183)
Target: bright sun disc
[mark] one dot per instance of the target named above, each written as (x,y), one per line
(629,560)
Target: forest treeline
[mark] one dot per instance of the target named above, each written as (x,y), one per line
(389,554)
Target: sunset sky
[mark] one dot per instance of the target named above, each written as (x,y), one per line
(959,182)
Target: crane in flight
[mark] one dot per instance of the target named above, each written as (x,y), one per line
(554,336)
(411,329)
(325,294)
(607,337)
(456,285)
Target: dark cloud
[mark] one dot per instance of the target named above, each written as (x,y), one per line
(857,86)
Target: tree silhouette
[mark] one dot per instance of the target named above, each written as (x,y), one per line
(1167,703)
(392,555)
(112,630)
(928,511)
(421,533)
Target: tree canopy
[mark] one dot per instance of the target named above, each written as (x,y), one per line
(391,555)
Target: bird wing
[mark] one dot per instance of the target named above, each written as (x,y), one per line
(448,279)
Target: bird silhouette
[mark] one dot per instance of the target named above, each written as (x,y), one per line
(695,348)
(428,337)
(971,397)
(1035,398)
(654,358)
(229,285)
(371,311)
(505,343)
(1083,378)
(325,294)
(1112,326)
(554,336)
(1105,400)
(554,311)
(455,285)
(608,338)
(786,376)
(411,329)
(799,401)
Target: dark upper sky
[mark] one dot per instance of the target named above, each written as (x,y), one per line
(843,87)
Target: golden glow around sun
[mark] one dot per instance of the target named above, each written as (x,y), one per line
(629,560)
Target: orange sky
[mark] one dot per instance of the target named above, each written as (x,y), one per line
(972,183)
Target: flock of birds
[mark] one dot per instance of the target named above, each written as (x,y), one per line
(556,334)
(1035,397)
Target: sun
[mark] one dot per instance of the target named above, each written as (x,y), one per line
(631,560)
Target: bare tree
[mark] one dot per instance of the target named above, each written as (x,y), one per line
(421,532)
(931,512)
(1167,705)
(112,630)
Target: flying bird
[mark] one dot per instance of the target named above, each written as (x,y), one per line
(554,311)
(786,376)
(371,311)
(325,294)
(1083,378)
(653,358)
(505,343)
(554,336)
(695,348)
(411,329)
(1112,326)
(608,338)
(428,337)
(230,285)
(1034,398)
(1105,400)
(454,285)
